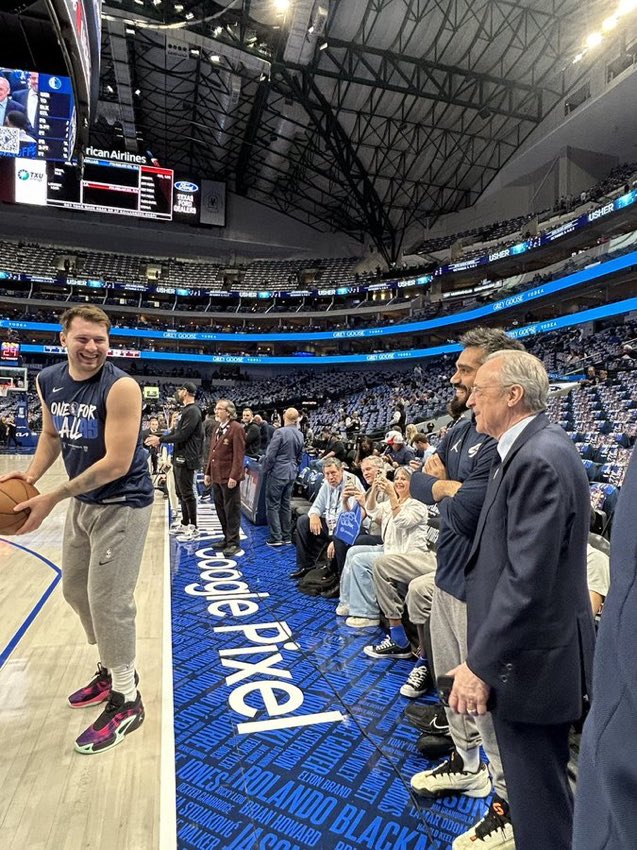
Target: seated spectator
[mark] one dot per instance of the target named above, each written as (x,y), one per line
(366,448)
(333,446)
(370,534)
(423,449)
(598,577)
(353,424)
(403,522)
(315,530)
(397,453)
(392,576)
(410,432)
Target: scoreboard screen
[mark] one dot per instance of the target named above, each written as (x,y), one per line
(144,191)
(39,115)
(138,189)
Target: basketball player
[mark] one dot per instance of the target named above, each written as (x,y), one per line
(91,413)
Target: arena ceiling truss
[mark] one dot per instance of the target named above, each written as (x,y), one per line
(362,116)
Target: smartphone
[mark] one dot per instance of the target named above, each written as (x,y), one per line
(444,685)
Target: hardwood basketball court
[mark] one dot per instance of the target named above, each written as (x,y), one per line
(51,797)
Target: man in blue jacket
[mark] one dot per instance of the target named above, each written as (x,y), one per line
(456,478)
(280,468)
(530,632)
(605,811)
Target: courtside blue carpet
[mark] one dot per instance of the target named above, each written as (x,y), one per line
(286,735)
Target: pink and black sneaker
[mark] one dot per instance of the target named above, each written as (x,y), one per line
(117,720)
(97,690)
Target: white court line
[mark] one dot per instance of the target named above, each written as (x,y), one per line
(167,795)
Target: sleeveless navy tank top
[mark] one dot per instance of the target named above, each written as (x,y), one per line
(78,409)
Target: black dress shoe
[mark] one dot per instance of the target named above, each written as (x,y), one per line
(428,718)
(298,573)
(229,551)
(434,747)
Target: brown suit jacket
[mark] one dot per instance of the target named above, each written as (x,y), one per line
(227,454)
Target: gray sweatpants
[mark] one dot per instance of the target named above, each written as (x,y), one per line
(392,576)
(102,553)
(448,626)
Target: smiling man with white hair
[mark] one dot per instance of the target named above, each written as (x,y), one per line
(530,631)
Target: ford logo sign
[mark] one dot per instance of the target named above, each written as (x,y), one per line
(185,186)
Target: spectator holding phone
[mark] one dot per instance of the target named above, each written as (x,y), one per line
(403,522)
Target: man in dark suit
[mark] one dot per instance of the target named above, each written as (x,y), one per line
(29,100)
(266,430)
(530,629)
(605,811)
(280,468)
(225,470)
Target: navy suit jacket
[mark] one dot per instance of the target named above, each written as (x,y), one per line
(530,626)
(15,106)
(283,456)
(22,97)
(605,811)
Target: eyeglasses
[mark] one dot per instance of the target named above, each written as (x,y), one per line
(477,391)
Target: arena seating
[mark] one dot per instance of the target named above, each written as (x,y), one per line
(476,239)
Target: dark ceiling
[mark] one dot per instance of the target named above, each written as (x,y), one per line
(361,116)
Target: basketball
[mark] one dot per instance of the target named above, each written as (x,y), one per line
(12,492)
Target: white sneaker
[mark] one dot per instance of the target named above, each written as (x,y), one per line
(176,527)
(493,832)
(450,777)
(191,533)
(342,610)
(361,622)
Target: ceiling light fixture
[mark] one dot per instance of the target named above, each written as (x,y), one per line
(323,46)
(215,59)
(594,40)
(626,6)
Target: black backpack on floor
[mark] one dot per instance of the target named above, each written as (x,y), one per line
(322,580)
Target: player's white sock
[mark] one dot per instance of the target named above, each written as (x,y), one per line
(124,681)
